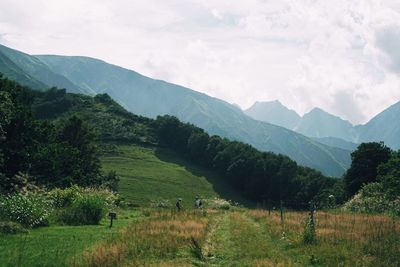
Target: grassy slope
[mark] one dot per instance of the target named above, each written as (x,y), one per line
(57,245)
(149,174)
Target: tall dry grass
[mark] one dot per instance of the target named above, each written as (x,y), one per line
(162,236)
(359,239)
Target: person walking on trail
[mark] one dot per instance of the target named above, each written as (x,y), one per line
(179,204)
(197,203)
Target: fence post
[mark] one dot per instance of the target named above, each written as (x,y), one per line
(312,209)
(281,207)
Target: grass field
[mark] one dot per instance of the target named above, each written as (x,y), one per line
(58,245)
(250,238)
(212,237)
(148,174)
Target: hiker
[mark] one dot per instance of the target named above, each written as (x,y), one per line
(197,203)
(179,204)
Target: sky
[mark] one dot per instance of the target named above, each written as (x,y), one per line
(342,56)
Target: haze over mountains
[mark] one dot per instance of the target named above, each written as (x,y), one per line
(149,97)
(329,129)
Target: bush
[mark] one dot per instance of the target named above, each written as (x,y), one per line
(62,198)
(218,203)
(30,210)
(81,206)
(11,228)
(88,209)
(372,199)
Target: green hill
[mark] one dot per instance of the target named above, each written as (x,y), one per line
(149,174)
(149,97)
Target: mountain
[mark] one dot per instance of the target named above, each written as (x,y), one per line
(336,142)
(319,123)
(274,112)
(383,127)
(30,71)
(148,97)
(9,69)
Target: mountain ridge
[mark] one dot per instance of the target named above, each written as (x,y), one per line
(148,97)
(319,124)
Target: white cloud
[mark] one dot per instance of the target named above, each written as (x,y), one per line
(339,55)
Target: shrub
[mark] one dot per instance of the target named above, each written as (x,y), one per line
(62,198)
(80,206)
(217,203)
(86,209)
(11,228)
(30,210)
(372,199)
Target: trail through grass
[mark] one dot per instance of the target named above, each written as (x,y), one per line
(240,241)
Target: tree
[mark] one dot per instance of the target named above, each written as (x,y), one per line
(77,134)
(365,161)
(389,176)
(197,145)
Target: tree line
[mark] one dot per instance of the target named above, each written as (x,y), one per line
(260,176)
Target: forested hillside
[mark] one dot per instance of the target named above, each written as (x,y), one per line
(257,175)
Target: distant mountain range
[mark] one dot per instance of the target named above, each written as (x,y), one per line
(332,130)
(149,97)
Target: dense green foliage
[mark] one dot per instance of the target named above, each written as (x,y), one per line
(53,154)
(373,181)
(30,210)
(364,166)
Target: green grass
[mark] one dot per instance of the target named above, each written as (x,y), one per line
(57,245)
(149,174)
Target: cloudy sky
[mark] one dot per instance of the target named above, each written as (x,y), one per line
(342,56)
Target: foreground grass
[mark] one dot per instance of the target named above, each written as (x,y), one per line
(250,238)
(165,238)
(148,174)
(238,237)
(343,239)
(57,245)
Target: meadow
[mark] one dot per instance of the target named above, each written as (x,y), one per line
(220,235)
(242,237)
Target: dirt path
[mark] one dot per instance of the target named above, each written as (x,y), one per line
(234,239)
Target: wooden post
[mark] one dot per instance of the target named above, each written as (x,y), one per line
(312,209)
(269,207)
(281,207)
(112,215)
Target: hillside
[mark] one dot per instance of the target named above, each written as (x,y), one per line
(149,174)
(389,120)
(336,142)
(148,97)
(30,71)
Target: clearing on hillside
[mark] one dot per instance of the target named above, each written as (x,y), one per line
(152,174)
